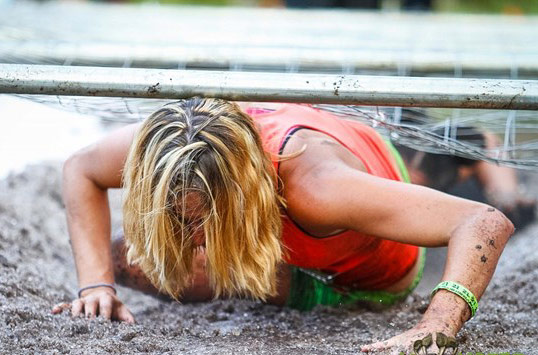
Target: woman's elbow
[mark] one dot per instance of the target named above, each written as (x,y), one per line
(509,226)
(73,165)
(488,224)
(77,169)
(503,226)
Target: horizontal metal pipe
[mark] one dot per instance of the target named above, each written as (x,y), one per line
(162,56)
(255,86)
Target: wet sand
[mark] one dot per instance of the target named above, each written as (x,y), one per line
(37,271)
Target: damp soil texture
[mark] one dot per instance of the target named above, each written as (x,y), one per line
(37,271)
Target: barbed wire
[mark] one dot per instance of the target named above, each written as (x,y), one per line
(430,130)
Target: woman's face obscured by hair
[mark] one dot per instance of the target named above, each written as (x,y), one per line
(193,213)
(197,174)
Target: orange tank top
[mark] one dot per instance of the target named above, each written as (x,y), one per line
(359,261)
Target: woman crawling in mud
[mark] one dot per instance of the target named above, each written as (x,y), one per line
(291,206)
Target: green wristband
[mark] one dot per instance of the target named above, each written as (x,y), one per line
(460,291)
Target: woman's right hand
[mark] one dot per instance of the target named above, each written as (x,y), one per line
(87,176)
(100,301)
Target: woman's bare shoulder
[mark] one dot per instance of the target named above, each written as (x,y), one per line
(303,174)
(320,152)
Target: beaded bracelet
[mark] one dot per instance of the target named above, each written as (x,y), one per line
(460,291)
(89,287)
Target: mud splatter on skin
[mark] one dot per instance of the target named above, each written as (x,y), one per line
(491,242)
(481,230)
(491,209)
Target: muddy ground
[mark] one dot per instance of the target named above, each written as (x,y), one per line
(37,271)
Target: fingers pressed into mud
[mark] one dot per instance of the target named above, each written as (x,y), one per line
(123,314)
(105,307)
(90,308)
(77,307)
(60,307)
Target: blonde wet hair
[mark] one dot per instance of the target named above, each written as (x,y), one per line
(209,148)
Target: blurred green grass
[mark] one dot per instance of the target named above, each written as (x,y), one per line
(514,7)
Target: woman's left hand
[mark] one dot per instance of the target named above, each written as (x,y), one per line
(406,342)
(446,314)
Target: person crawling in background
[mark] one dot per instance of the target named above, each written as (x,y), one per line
(473,179)
(291,206)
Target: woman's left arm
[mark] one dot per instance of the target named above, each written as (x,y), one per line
(341,197)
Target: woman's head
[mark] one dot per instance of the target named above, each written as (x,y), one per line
(197,168)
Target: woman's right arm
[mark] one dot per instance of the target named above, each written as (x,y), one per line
(87,175)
